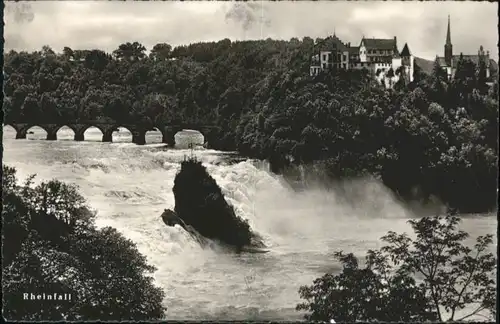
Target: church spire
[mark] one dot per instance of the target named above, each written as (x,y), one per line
(448,48)
(448,34)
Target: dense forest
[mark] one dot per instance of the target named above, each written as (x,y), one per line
(433,135)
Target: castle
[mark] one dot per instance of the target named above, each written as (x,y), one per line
(382,58)
(379,56)
(448,62)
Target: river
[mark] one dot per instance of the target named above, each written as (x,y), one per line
(130,185)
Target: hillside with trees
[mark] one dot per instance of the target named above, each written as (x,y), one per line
(435,135)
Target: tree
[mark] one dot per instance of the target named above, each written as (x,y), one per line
(47,51)
(130,51)
(67,53)
(438,72)
(51,245)
(161,51)
(364,295)
(481,78)
(454,277)
(96,60)
(390,75)
(439,80)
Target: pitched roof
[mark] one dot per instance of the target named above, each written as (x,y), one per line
(455,58)
(353,49)
(474,58)
(493,65)
(330,43)
(379,43)
(406,51)
(441,61)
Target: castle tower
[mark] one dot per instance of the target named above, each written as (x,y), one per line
(407,61)
(406,54)
(448,48)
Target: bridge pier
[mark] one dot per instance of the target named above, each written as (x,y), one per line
(21,130)
(107,137)
(79,130)
(168,136)
(21,133)
(79,137)
(51,130)
(210,136)
(139,137)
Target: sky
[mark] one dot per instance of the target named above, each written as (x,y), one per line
(107,24)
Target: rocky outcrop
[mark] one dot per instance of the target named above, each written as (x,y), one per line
(200,205)
(170,218)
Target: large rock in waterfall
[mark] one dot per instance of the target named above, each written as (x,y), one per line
(201,207)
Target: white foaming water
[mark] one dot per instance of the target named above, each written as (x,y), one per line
(130,185)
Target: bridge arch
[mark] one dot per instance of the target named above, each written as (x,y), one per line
(65,128)
(200,134)
(87,131)
(186,137)
(9,131)
(155,135)
(33,131)
(197,134)
(115,130)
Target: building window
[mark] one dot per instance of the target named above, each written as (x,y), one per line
(324,65)
(324,57)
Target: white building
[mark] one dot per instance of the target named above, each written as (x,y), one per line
(379,56)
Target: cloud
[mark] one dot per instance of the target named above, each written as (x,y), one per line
(106,24)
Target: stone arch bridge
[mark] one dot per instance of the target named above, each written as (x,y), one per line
(138,132)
